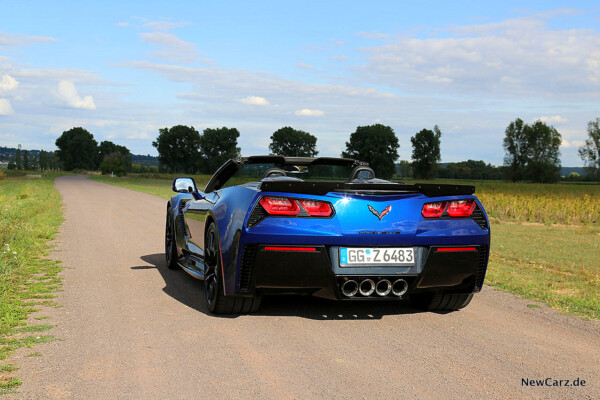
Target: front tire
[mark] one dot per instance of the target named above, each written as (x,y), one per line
(170,245)
(440,301)
(216,300)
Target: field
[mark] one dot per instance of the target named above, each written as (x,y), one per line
(545,238)
(30,214)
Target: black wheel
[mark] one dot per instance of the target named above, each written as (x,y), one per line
(216,300)
(170,245)
(440,301)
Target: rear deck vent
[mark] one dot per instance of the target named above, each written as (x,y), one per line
(483,258)
(247,264)
(479,218)
(257,215)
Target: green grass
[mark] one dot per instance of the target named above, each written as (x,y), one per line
(30,215)
(553,264)
(557,265)
(157,187)
(8,384)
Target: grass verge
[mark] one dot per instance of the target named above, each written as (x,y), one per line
(30,215)
(553,264)
(557,265)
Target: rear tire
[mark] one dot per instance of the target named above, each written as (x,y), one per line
(440,301)
(170,245)
(216,300)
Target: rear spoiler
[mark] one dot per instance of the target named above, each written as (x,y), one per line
(322,188)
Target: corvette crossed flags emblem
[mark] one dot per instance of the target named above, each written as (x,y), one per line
(377,214)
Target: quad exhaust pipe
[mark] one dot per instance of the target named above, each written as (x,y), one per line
(367,287)
(399,287)
(383,287)
(350,288)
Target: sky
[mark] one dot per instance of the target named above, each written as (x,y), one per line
(123,70)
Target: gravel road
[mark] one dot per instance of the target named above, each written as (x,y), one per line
(132,329)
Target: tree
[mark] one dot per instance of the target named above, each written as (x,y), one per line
(178,148)
(590,152)
(77,149)
(107,147)
(376,144)
(18,159)
(290,142)
(516,148)
(532,151)
(117,163)
(217,146)
(11,165)
(426,152)
(26,160)
(405,169)
(543,142)
(43,160)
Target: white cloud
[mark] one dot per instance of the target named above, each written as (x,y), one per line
(255,101)
(139,136)
(554,119)
(372,35)
(164,25)
(122,24)
(8,83)
(565,144)
(68,94)
(173,49)
(305,112)
(305,66)
(339,57)
(516,57)
(5,107)
(10,39)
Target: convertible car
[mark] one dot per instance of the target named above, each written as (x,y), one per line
(326,227)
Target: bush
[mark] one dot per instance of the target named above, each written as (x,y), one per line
(115,163)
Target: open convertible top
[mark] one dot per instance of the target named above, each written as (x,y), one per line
(320,187)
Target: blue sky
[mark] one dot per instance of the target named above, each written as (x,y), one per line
(123,70)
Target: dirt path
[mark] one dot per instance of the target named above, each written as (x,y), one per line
(132,329)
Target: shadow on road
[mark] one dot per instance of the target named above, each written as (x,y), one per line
(190,292)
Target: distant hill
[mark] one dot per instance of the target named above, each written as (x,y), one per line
(145,160)
(8,153)
(564,171)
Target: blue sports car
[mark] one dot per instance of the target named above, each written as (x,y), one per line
(326,227)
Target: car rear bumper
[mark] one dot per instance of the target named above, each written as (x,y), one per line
(316,270)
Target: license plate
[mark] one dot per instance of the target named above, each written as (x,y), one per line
(373,256)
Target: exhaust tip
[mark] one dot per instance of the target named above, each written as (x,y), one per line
(367,287)
(383,288)
(350,288)
(399,287)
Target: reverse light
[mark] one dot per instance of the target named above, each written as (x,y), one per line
(280,206)
(461,208)
(316,208)
(434,210)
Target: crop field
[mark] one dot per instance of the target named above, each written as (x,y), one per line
(545,238)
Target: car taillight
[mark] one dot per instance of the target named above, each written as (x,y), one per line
(461,208)
(280,206)
(316,208)
(434,210)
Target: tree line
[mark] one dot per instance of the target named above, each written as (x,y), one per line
(47,161)
(531,152)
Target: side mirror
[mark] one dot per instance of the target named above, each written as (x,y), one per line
(184,185)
